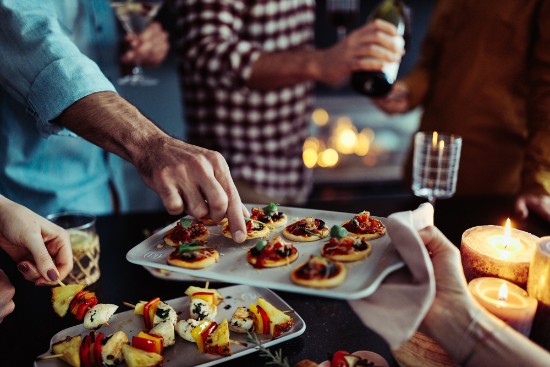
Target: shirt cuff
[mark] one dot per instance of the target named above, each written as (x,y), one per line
(61,84)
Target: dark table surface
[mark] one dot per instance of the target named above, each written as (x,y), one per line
(331,325)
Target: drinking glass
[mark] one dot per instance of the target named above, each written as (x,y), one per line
(84,243)
(435,165)
(135,16)
(342,14)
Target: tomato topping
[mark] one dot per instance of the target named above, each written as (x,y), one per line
(149,310)
(265,319)
(338,359)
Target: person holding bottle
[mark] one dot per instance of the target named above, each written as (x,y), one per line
(247,72)
(484,74)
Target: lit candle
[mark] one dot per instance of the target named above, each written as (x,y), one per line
(538,286)
(506,301)
(496,251)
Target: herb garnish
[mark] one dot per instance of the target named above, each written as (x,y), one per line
(186,222)
(338,231)
(275,359)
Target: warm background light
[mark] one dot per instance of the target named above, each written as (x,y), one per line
(320,117)
(328,158)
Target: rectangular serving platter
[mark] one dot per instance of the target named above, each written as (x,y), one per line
(184,353)
(363,277)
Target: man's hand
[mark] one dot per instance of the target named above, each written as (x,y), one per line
(41,249)
(539,204)
(397,101)
(149,48)
(367,48)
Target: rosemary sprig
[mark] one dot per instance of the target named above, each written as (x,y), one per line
(275,359)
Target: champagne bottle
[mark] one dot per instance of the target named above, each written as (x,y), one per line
(378,83)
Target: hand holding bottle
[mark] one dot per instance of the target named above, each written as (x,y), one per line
(370,47)
(396,101)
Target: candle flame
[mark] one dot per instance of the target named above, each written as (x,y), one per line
(441,146)
(503,292)
(507,233)
(434,139)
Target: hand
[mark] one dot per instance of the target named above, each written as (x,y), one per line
(397,101)
(7,291)
(194,179)
(149,48)
(41,249)
(367,48)
(539,204)
(452,294)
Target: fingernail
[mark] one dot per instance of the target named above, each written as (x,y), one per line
(23,267)
(239,236)
(52,274)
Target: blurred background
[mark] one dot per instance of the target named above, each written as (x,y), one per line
(354,149)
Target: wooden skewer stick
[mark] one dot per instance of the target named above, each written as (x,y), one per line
(129,304)
(288,311)
(51,356)
(207,284)
(60,283)
(238,342)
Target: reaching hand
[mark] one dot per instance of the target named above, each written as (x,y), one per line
(540,204)
(367,48)
(41,249)
(149,48)
(397,101)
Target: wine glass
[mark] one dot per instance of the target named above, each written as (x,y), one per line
(342,14)
(135,16)
(435,165)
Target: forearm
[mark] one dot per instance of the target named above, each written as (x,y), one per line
(286,68)
(476,338)
(109,121)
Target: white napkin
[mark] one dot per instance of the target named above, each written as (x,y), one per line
(400,303)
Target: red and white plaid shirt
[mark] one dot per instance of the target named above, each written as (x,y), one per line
(260,133)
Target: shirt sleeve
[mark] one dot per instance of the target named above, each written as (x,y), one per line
(211,44)
(536,171)
(41,67)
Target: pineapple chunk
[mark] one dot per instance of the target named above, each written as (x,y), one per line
(279,322)
(69,348)
(191,290)
(135,357)
(62,297)
(218,342)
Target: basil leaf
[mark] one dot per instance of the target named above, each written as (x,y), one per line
(186,222)
(270,209)
(338,231)
(261,244)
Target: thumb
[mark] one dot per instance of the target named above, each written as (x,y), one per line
(520,208)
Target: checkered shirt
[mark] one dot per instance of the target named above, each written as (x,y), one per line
(260,133)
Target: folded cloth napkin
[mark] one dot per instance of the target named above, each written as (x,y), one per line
(400,303)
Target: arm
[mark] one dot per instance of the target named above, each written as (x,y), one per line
(367,48)
(7,291)
(186,177)
(535,191)
(462,327)
(41,249)
(213,45)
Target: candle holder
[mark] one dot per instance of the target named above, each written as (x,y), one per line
(486,252)
(538,286)
(506,301)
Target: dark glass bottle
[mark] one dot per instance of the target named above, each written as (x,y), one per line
(377,84)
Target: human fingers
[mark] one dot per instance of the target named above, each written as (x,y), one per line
(540,204)
(235,208)
(7,292)
(151,47)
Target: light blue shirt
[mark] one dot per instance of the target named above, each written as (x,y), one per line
(46,53)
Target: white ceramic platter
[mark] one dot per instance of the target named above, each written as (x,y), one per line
(184,353)
(362,279)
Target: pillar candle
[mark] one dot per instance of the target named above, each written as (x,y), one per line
(538,286)
(506,301)
(491,251)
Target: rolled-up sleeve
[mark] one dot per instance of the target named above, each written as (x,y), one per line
(41,67)
(211,42)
